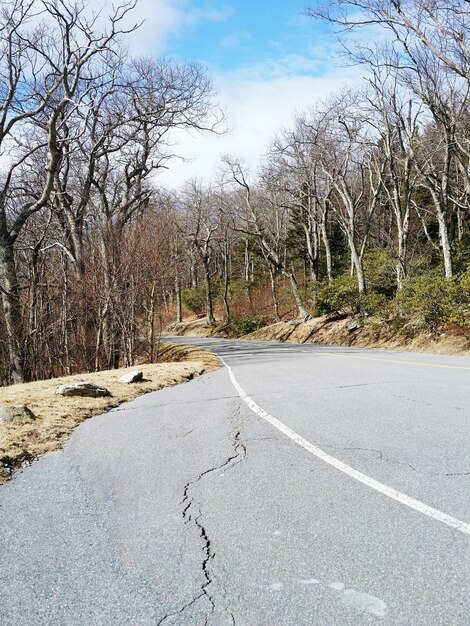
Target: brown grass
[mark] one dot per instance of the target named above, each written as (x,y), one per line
(23,441)
(200,328)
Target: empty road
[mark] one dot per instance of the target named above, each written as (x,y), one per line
(299,485)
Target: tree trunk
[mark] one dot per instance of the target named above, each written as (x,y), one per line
(179,306)
(192,270)
(298,298)
(356,264)
(12,311)
(401,262)
(247,262)
(445,245)
(151,323)
(209,306)
(274,294)
(226,284)
(326,245)
(65,322)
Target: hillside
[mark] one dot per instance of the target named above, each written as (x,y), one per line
(325,330)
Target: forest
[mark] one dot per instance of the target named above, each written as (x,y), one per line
(359,207)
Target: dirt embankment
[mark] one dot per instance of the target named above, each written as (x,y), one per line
(22,441)
(370,333)
(200,328)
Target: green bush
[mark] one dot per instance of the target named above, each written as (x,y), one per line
(434,299)
(195,299)
(247,324)
(380,271)
(461,254)
(238,289)
(340,296)
(459,311)
(373,303)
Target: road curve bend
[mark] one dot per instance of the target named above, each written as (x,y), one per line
(298,485)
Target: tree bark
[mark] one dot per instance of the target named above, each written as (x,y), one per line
(12,311)
(209,304)
(179,307)
(445,245)
(226,282)
(357,265)
(296,292)
(274,294)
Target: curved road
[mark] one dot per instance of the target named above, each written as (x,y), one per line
(300,485)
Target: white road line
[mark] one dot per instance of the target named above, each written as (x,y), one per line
(411,503)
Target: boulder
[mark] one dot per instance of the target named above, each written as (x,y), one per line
(354,325)
(82,389)
(135,376)
(13,413)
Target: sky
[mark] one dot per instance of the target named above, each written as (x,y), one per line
(267,61)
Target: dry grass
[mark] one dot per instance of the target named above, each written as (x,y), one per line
(176,353)
(200,328)
(23,441)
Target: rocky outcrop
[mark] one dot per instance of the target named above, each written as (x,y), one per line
(14,413)
(82,389)
(135,376)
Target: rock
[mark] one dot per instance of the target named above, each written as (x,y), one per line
(82,389)
(13,413)
(354,325)
(136,376)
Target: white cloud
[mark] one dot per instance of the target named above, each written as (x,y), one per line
(257,104)
(162,19)
(259,98)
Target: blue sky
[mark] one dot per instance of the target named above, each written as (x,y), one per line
(243,32)
(267,61)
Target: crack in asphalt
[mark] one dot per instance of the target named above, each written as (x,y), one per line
(381,455)
(185,434)
(455,474)
(380,382)
(265,439)
(190,504)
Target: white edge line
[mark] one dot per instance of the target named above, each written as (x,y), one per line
(411,503)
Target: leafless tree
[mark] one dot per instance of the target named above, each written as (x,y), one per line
(395,115)
(45,70)
(254,208)
(201,217)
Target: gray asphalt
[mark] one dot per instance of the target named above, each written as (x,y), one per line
(184,507)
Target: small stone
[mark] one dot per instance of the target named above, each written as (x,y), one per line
(13,413)
(136,376)
(82,389)
(355,325)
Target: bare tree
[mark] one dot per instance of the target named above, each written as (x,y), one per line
(44,72)
(395,116)
(200,223)
(442,28)
(266,231)
(344,147)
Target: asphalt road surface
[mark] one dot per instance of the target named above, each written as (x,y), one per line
(301,485)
